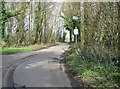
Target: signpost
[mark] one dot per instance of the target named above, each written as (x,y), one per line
(75,18)
(75,33)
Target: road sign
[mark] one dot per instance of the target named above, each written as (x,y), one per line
(75,17)
(76,31)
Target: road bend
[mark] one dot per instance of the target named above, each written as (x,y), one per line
(38,70)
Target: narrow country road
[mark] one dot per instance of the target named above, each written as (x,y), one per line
(41,70)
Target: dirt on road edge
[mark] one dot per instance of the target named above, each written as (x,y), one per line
(76,82)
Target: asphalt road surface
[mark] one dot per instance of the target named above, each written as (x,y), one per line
(39,70)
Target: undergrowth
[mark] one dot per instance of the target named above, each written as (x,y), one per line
(94,68)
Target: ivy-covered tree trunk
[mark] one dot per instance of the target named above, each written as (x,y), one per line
(118,26)
(9,30)
(45,24)
(3,19)
(37,22)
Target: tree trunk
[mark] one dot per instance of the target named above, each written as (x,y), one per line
(118,26)
(3,20)
(70,36)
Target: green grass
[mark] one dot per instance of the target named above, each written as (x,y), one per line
(15,50)
(94,68)
(11,50)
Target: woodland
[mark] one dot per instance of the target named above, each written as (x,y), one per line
(95,58)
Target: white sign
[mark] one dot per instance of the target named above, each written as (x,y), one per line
(76,31)
(75,18)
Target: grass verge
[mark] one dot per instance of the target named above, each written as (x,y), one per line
(12,50)
(93,68)
(15,50)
